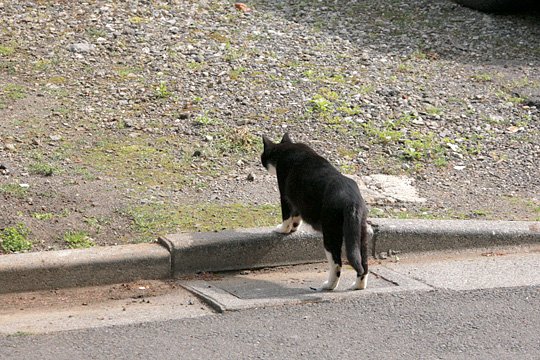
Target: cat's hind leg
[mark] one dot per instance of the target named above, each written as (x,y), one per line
(366,232)
(334,272)
(332,245)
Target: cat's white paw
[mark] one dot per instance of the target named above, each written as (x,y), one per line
(360,283)
(295,223)
(329,285)
(285,227)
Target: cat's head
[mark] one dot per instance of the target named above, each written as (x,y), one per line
(267,158)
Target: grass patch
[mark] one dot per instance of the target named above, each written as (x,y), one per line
(138,20)
(139,161)
(15,239)
(6,50)
(482,77)
(78,239)
(14,92)
(205,120)
(14,190)
(153,220)
(320,104)
(43,216)
(43,169)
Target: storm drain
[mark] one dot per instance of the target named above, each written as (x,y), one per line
(290,285)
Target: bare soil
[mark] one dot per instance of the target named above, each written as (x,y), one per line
(124,122)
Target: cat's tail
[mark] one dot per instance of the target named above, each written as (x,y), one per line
(356,234)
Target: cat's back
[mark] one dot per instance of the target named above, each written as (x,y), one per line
(301,155)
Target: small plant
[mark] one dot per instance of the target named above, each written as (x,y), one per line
(15,239)
(14,92)
(43,216)
(479,213)
(320,104)
(235,73)
(137,20)
(405,68)
(433,110)
(413,150)
(43,169)
(14,190)
(441,161)
(483,77)
(78,239)
(162,91)
(6,50)
(205,120)
(196,65)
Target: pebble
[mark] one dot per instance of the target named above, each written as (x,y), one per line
(81,48)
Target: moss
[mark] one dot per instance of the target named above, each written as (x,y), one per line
(138,161)
(153,220)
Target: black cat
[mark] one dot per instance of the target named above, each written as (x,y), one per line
(311,189)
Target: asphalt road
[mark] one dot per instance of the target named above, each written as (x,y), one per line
(500,323)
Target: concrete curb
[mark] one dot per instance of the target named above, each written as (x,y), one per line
(240,249)
(434,235)
(73,268)
(253,248)
(181,254)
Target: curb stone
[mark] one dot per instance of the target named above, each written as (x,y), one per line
(189,253)
(83,267)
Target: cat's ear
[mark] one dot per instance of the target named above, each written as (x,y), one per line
(267,142)
(286,139)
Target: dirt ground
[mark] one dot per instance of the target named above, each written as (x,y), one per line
(120,123)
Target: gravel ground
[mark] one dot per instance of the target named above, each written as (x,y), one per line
(123,121)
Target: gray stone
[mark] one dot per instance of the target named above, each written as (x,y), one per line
(81,48)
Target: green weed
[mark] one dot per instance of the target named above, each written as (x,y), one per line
(40,168)
(205,120)
(78,239)
(162,91)
(14,92)
(138,20)
(43,216)
(14,190)
(15,239)
(235,73)
(6,50)
(483,77)
(320,104)
(433,110)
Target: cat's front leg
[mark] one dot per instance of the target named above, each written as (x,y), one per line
(286,227)
(289,225)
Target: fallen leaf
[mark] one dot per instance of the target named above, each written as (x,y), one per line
(242,7)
